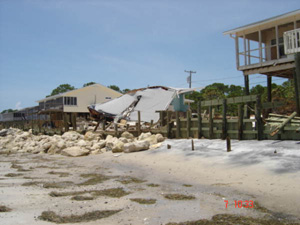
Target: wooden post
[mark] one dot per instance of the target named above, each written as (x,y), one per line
(260,47)
(127,127)
(228,144)
(103,124)
(269,85)
(98,123)
(139,123)
(277,42)
(237,51)
(269,90)
(177,125)
(193,148)
(259,125)
(162,118)
(224,122)
(247,92)
(74,125)
(66,123)
(211,132)
(39,123)
(240,121)
(168,125)
(297,82)
(188,124)
(116,130)
(199,120)
(245,50)
(281,126)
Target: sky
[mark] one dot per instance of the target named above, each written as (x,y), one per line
(128,43)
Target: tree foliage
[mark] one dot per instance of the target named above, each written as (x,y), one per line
(284,92)
(115,87)
(61,89)
(88,84)
(8,111)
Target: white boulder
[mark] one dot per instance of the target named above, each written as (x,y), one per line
(75,151)
(136,146)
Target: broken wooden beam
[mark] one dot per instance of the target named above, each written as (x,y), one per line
(281,126)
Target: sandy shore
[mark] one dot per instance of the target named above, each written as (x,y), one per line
(252,171)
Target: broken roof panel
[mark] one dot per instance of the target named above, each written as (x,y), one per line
(152,100)
(146,100)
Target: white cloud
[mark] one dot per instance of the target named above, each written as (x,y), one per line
(18,105)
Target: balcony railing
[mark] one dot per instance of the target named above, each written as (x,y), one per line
(292,41)
(52,106)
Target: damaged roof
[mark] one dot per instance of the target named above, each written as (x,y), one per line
(146,100)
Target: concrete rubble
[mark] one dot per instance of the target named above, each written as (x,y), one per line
(74,144)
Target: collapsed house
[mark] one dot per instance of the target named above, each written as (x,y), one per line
(146,100)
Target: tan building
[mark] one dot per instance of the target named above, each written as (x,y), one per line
(270,47)
(76,101)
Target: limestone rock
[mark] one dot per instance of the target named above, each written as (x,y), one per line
(155,146)
(124,140)
(97,151)
(143,136)
(71,135)
(152,139)
(81,143)
(159,138)
(118,146)
(75,151)
(136,146)
(127,135)
(89,136)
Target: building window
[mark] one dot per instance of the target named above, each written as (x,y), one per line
(70,100)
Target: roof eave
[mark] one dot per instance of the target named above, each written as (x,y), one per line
(261,22)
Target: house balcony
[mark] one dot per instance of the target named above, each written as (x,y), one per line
(291,41)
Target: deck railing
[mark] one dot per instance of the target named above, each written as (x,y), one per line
(292,41)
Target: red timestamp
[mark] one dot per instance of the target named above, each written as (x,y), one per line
(241,204)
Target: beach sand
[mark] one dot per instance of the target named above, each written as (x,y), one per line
(251,172)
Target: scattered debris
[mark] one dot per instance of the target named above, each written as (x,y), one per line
(86,217)
(111,192)
(179,197)
(4,209)
(144,200)
(82,198)
(235,219)
(129,180)
(153,185)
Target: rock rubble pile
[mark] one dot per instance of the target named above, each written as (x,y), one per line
(72,143)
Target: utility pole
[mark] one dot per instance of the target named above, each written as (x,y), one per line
(190,77)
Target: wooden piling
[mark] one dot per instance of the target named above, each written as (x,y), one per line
(169,126)
(224,121)
(177,125)
(199,120)
(259,124)
(193,147)
(228,144)
(116,130)
(240,122)
(188,124)
(66,122)
(210,122)
(73,119)
(297,82)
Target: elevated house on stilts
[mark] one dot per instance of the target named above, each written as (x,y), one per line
(270,47)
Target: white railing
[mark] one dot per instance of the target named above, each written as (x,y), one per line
(291,41)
